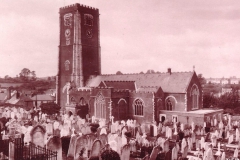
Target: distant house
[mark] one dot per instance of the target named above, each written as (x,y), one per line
(51,92)
(20,99)
(42,98)
(213,80)
(5,94)
(224,81)
(234,80)
(226,90)
(28,93)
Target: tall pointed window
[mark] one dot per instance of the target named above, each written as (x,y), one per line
(138,107)
(195,97)
(169,105)
(100,106)
(67,65)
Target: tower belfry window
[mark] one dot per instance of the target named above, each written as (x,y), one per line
(67,65)
(88,19)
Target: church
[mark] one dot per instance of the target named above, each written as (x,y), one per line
(148,97)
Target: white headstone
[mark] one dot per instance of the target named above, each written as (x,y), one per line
(182,127)
(183,145)
(237,135)
(230,139)
(235,155)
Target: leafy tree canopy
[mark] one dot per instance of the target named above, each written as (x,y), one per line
(50,108)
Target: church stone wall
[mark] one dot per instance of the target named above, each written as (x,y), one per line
(147,99)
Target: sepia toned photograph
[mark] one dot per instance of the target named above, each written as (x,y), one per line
(119,80)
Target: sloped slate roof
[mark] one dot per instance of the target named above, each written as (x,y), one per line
(119,84)
(148,89)
(43,97)
(176,82)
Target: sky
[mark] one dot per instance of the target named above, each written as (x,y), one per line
(135,36)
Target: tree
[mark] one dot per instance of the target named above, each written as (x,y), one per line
(26,74)
(50,108)
(6,77)
(209,100)
(201,79)
(119,73)
(150,71)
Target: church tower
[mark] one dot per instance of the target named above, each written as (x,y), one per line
(79,48)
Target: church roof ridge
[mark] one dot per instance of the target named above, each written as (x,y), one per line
(118,81)
(121,90)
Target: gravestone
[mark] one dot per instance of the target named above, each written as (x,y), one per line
(197,144)
(207,137)
(209,154)
(170,133)
(223,157)
(72,146)
(182,127)
(114,145)
(193,137)
(230,139)
(163,129)
(237,135)
(49,128)
(103,138)
(166,146)
(189,140)
(124,140)
(174,153)
(81,148)
(166,133)
(235,154)
(214,140)
(183,145)
(228,135)
(96,148)
(202,142)
(220,125)
(103,131)
(55,144)
(133,147)
(154,153)
(38,134)
(185,151)
(125,152)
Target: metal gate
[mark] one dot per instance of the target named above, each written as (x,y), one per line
(27,151)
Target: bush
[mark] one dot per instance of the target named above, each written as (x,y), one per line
(50,108)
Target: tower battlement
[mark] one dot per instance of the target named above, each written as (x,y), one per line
(76,6)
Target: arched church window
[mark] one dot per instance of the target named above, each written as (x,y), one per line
(195,96)
(67,65)
(138,107)
(88,19)
(100,106)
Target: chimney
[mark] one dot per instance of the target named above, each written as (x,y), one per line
(169,71)
(8,92)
